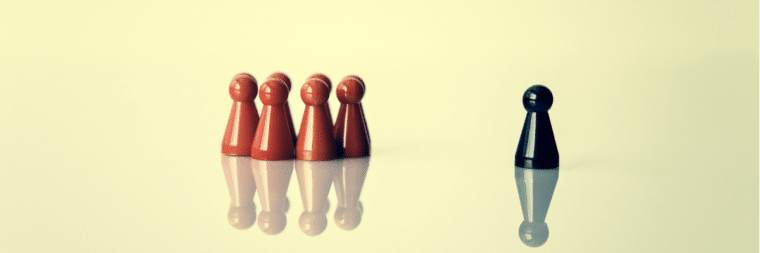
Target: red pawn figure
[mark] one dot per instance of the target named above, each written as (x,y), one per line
(243,117)
(315,139)
(285,79)
(329,89)
(351,133)
(273,141)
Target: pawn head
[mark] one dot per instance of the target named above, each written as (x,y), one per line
(350,91)
(324,78)
(273,92)
(348,218)
(312,224)
(533,234)
(242,217)
(243,87)
(282,77)
(272,223)
(315,92)
(353,77)
(537,98)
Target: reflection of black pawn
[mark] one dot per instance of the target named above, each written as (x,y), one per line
(537,149)
(348,186)
(535,188)
(240,183)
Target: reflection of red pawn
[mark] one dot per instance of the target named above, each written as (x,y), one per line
(240,183)
(348,186)
(329,88)
(273,141)
(315,139)
(241,125)
(285,79)
(314,181)
(350,130)
(272,179)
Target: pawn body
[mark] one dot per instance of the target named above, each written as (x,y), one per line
(315,138)
(243,118)
(273,140)
(537,148)
(350,131)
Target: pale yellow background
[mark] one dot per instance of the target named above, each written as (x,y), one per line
(113,114)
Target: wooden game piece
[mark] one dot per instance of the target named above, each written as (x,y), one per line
(315,138)
(272,179)
(349,181)
(240,183)
(273,141)
(285,79)
(243,119)
(537,148)
(350,131)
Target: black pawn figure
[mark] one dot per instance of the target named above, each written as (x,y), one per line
(536,188)
(537,149)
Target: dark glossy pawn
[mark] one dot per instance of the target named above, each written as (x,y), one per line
(243,118)
(537,148)
(286,80)
(273,140)
(350,130)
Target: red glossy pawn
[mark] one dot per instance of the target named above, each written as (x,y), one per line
(243,119)
(273,141)
(350,131)
(329,89)
(315,139)
(285,79)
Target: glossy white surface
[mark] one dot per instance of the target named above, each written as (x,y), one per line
(113,115)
